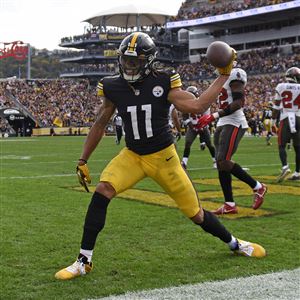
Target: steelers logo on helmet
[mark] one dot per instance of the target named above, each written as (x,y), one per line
(137,53)
(157,91)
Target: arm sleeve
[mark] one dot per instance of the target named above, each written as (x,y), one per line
(175,81)
(100,89)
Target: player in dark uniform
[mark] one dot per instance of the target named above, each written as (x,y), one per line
(190,120)
(266,120)
(143,96)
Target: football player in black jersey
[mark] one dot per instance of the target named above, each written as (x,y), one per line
(143,95)
(266,120)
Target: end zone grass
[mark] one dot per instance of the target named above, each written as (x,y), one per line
(143,246)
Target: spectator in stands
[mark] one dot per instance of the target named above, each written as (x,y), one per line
(48,99)
(196,9)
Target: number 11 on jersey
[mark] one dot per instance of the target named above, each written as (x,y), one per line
(134,120)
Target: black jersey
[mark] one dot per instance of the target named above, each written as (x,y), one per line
(267,114)
(144,109)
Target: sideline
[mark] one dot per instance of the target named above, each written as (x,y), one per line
(73,174)
(283,285)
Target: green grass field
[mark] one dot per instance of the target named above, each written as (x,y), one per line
(143,246)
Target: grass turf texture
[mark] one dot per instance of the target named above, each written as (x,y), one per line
(143,246)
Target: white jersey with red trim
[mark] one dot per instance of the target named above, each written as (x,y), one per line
(225,98)
(287,99)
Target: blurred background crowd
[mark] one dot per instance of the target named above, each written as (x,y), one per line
(192,9)
(74,102)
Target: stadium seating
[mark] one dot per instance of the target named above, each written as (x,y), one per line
(200,9)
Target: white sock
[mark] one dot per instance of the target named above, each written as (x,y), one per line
(232,204)
(185,160)
(296,173)
(258,185)
(285,167)
(233,243)
(87,253)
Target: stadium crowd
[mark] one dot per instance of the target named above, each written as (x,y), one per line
(69,102)
(74,103)
(260,61)
(192,9)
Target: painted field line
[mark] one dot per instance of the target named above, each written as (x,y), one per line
(18,163)
(46,176)
(73,174)
(280,285)
(247,166)
(15,140)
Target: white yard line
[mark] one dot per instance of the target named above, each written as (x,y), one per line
(246,166)
(280,285)
(73,174)
(45,176)
(15,140)
(18,163)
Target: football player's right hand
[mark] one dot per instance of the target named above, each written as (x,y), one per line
(204,121)
(83,175)
(227,70)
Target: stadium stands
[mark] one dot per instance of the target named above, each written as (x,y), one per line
(65,103)
(68,102)
(204,8)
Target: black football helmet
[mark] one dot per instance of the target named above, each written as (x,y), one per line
(293,75)
(192,89)
(137,53)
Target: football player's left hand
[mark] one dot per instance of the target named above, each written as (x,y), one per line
(227,70)
(204,121)
(178,136)
(83,175)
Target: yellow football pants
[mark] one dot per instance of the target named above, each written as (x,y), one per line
(128,168)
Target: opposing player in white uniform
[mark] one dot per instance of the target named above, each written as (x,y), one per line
(231,126)
(287,102)
(191,121)
(118,122)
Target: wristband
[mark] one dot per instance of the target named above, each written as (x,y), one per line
(81,159)
(216,115)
